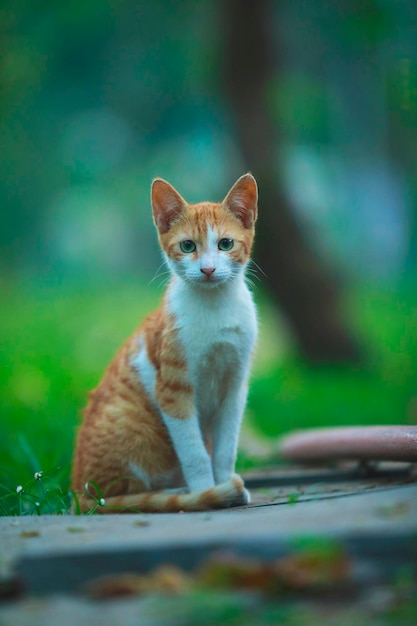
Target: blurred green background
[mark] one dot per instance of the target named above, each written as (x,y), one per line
(317,99)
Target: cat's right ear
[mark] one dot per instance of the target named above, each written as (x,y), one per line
(242,200)
(167,204)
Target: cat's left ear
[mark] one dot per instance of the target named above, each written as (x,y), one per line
(242,200)
(167,204)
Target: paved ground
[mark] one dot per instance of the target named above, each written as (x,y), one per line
(372,517)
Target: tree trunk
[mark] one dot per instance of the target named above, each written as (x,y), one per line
(297,280)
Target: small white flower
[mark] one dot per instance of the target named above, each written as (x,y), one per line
(19,489)
(38,475)
(102,502)
(37,503)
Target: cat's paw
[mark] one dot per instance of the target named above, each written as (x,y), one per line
(233,492)
(246,496)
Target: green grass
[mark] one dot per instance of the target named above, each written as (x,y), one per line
(56,341)
(55,345)
(381,390)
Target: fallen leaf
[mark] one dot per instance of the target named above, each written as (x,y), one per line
(304,571)
(398,509)
(164,579)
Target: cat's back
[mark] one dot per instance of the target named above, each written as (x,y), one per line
(120,380)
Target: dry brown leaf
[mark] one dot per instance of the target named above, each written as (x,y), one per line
(27,534)
(164,579)
(306,571)
(311,570)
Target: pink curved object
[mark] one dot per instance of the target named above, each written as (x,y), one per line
(379,443)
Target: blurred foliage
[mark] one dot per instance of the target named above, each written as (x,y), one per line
(301,104)
(294,394)
(55,342)
(98,98)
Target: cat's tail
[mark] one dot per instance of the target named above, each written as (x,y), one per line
(228,494)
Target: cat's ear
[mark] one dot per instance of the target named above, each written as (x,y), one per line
(242,200)
(167,204)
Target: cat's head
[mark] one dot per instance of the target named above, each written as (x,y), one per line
(208,243)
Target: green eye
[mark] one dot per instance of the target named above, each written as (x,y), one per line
(226,244)
(187,246)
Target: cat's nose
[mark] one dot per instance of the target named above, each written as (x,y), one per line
(208,271)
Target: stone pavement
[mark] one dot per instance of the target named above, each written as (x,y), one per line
(372,514)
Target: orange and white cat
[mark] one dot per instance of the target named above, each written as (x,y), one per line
(160,431)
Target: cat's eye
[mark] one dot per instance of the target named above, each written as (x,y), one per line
(226,244)
(187,246)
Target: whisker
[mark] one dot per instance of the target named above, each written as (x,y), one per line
(258,267)
(251,283)
(163,283)
(252,272)
(158,272)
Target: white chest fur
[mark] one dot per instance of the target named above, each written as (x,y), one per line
(218,330)
(211,316)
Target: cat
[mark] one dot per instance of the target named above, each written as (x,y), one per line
(160,431)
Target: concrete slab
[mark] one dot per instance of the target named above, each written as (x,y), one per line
(371,512)
(52,553)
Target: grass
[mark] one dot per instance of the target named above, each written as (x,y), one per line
(57,340)
(55,343)
(293,394)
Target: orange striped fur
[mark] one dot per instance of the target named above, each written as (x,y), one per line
(160,431)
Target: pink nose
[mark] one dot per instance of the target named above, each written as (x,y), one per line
(208,271)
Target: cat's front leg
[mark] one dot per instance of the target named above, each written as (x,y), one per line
(175,397)
(226,430)
(192,454)
(225,438)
